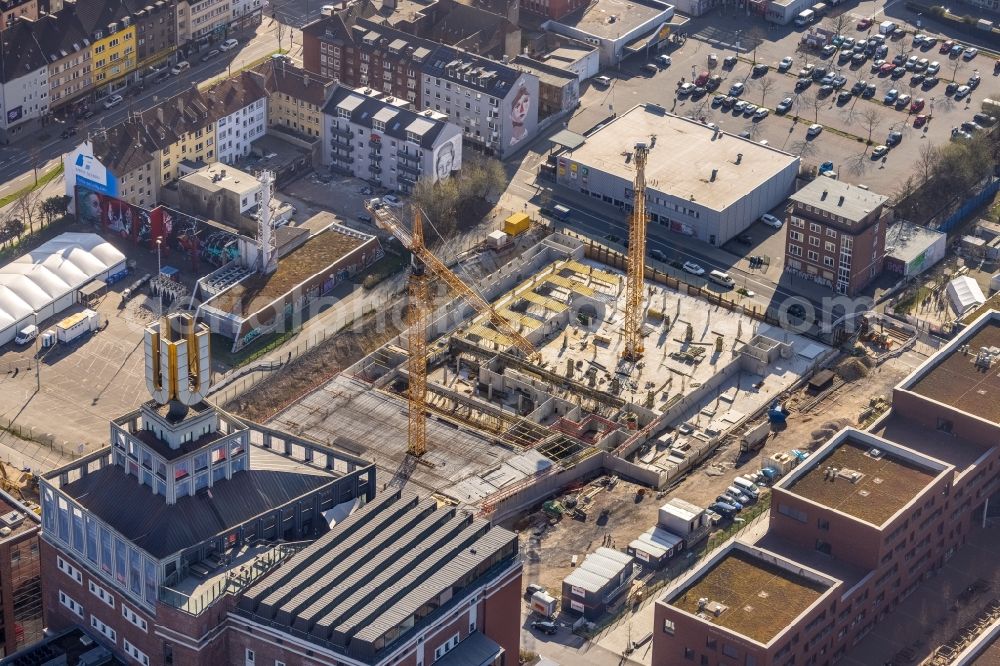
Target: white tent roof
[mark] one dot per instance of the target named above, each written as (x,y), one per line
(52,270)
(964,293)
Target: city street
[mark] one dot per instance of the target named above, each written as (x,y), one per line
(17,159)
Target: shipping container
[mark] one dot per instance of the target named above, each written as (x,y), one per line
(76,325)
(516,224)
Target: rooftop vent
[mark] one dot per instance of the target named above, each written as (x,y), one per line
(875,454)
(822,197)
(12,519)
(715,173)
(841,202)
(739,157)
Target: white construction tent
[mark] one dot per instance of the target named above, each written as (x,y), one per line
(46,281)
(964,294)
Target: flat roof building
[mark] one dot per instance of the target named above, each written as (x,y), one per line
(836,234)
(875,512)
(400,579)
(619,28)
(911,249)
(597,582)
(701,182)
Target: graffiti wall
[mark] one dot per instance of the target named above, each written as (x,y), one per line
(182,235)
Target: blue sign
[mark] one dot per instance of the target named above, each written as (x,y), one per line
(13,115)
(92,175)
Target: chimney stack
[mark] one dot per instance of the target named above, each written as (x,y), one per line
(739,157)
(180,105)
(823,196)
(715,172)
(305,80)
(841,202)
(159,114)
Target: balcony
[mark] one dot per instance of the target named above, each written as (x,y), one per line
(339,145)
(408,158)
(375,169)
(337,130)
(406,167)
(375,155)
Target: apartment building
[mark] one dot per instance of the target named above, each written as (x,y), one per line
(296,99)
(64,41)
(20,582)
(203,17)
(386,142)
(24,81)
(495,105)
(367,54)
(155,32)
(153,149)
(113,55)
(10,10)
(855,528)
(836,234)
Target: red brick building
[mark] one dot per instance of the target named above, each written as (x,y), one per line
(367,54)
(836,234)
(855,528)
(20,576)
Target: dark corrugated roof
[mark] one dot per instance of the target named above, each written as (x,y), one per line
(476,650)
(375,569)
(482,74)
(287,79)
(162,529)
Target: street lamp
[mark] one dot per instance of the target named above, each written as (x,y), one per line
(159,269)
(38,360)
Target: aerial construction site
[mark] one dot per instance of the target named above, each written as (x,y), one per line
(546,366)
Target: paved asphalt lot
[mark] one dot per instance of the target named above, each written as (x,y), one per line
(846,124)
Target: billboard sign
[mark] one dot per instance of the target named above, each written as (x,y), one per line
(15,114)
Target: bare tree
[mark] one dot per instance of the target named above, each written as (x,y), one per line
(802,148)
(871,119)
(753,129)
(811,101)
(838,24)
(954,67)
(756,35)
(927,161)
(766,85)
(280,31)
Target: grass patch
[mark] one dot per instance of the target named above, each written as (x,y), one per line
(392,263)
(910,301)
(43,180)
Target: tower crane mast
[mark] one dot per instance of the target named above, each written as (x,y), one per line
(636,259)
(418,314)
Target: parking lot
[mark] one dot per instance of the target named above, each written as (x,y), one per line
(847,124)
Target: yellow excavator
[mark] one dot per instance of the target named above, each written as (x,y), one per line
(22,484)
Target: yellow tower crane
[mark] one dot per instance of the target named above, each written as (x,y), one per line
(636,259)
(418,309)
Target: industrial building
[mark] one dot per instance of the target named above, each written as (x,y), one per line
(398,581)
(618,28)
(242,299)
(701,182)
(39,285)
(855,528)
(911,249)
(836,234)
(150,540)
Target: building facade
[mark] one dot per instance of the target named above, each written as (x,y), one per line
(704,184)
(11,10)
(388,143)
(155,33)
(237,130)
(20,575)
(836,235)
(24,81)
(113,55)
(857,527)
(64,42)
(296,99)
(495,105)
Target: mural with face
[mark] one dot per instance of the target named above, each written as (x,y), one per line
(445,161)
(519,109)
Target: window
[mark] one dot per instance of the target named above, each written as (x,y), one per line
(688,653)
(813,255)
(795,236)
(795,250)
(815,228)
(135,653)
(69,570)
(828,261)
(830,247)
(832,233)
(133,617)
(103,629)
(669,627)
(446,647)
(69,603)
(101,593)
(814,241)
(730,650)
(250,657)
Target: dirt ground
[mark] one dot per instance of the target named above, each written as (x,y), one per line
(549,548)
(312,369)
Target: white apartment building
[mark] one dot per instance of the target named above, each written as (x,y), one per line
(235,132)
(241,8)
(494,104)
(388,143)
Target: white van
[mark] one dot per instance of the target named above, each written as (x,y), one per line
(805,18)
(26,335)
(718,277)
(886,27)
(748,487)
(182,66)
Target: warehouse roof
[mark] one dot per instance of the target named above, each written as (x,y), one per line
(683,157)
(50,271)
(377,570)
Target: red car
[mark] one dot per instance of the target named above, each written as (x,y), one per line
(946,46)
(917,106)
(864,24)
(886,68)
(702,79)
(919,121)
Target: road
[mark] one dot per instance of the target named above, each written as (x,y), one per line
(16,160)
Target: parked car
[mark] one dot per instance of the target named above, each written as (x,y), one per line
(211,54)
(685,89)
(760,113)
(783,106)
(962,91)
(902,101)
(844,96)
(545,626)
(890,97)
(663,60)
(894,138)
(692,268)
(934,67)
(744,239)
(736,89)
(802,84)
(771,220)
(738,495)
(650,68)
(970,53)
(229,44)
(971,126)
(984,119)
(760,69)
(946,46)
(392,200)
(739,106)
(726,498)
(602,81)
(828,50)
(180,67)
(658,255)
(814,130)
(879,152)
(749,109)
(718,100)
(919,121)
(113,101)
(713,82)
(785,64)
(724,509)
(729,62)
